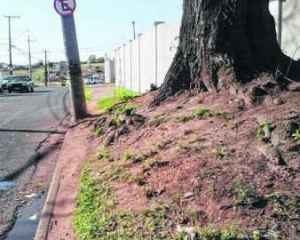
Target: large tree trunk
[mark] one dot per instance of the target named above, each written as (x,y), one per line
(217,36)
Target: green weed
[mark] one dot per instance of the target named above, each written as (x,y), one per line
(120,95)
(202,113)
(98,131)
(296,136)
(264,130)
(97,218)
(221,152)
(104,154)
(245,194)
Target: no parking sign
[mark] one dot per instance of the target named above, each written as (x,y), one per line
(65,7)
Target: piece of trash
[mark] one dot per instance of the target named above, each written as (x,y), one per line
(33,217)
(32,195)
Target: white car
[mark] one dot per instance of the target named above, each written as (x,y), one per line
(92,80)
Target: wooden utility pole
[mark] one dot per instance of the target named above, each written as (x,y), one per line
(9,18)
(46,68)
(66,8)
(29,57)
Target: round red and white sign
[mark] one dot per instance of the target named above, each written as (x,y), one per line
(65,7)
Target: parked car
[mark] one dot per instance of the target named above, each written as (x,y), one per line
(93,79)
(1,86)
(5,81)
(20,83)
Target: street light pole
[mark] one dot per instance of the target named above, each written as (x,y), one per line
(134,32)
(9,18)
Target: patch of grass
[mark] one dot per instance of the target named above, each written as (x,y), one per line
(245,194)
(264,130)
(97,216)
(202,113)
(126,109)
(88,91)
(120,95)
(296,136)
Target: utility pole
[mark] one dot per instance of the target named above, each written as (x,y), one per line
(46,68)
(66,8)
(9,18)
(29,57)
(134,32)
(280,9)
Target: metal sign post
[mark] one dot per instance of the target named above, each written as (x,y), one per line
(66,8)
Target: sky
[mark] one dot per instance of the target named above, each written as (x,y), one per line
(102,25)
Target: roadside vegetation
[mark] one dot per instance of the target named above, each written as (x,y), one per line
(88,94)
(120,95)
(192,168)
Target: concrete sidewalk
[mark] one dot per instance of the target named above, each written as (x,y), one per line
(80,142)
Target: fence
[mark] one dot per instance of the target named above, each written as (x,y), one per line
(144,61)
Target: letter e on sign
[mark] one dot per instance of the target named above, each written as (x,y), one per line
(65,7)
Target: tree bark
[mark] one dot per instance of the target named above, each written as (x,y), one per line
(225,41)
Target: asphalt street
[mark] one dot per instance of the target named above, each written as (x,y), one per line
(42,110)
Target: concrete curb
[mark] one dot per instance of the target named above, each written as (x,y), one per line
(46,214)
(47,211)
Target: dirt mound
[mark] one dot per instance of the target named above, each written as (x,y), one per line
(209,160)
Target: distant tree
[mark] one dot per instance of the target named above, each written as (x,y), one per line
(92,59)
(225,42)
(100,60)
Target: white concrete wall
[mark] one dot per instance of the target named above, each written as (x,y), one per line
(146,60)
(166,48)
(109,69)
(291,26)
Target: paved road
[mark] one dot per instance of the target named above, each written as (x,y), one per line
(41,110)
